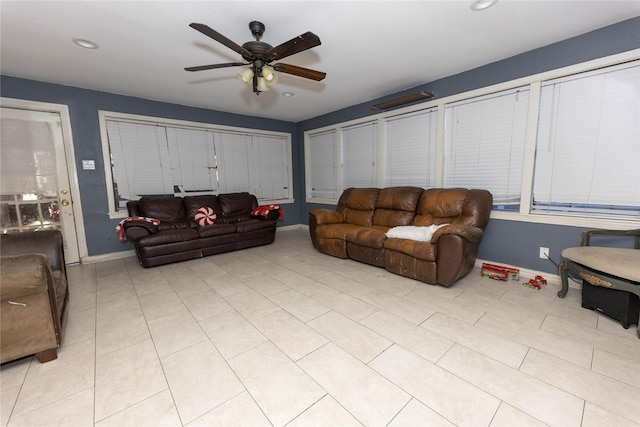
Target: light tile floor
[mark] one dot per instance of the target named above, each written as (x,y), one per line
(283,335)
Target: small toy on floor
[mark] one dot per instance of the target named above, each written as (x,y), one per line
(536,282)
(499,272)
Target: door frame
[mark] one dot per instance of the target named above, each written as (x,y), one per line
(72,171)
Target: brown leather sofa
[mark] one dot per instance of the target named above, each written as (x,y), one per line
(178,237)
(358,228)
(33,293)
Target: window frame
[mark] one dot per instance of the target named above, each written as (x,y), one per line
(104,116)
(485,139)
(534,83)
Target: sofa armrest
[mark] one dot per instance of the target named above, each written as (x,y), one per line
(31,316)
(326,216)
(470,233)
(47,242)
(23,275)
(322,216)
(137,229)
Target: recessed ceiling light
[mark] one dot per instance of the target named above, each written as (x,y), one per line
(87,44)
(482,4)
(288,94)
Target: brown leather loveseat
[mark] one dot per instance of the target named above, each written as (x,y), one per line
(178,237)
(34,294)
(454,218)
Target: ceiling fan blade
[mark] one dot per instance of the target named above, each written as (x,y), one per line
(214,66)
(209,32)
(295,45)
(299,71)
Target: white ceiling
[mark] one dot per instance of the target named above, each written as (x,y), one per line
(369,49)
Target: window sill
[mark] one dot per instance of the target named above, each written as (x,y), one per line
(569,220)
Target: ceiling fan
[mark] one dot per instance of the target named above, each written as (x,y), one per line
(259,56)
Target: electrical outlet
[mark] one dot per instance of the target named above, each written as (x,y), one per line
(544,252)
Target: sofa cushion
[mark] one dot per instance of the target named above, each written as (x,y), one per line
(235,207)
(421,250)
(372,237)
(177,225)
(216,230)
(193,203)
(357,205)
(166,209)
(255,224)
(440,206)
(23,275)
(396,206)
(234,204)
(168,236)
(336,231)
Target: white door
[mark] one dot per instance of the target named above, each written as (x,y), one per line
(35,187)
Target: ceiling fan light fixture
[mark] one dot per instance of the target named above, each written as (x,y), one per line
(262,84)
(246,76)
(270,76)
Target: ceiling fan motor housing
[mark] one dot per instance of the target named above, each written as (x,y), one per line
(257,50)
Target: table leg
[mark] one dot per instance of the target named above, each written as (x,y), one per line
(563,269)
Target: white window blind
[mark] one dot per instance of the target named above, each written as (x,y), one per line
(484,145)
(269,173)
(149,158)
(322,172)
(139,159)
(410,149)
(588,143)
(254,163)
(232,150)
(28,161)
(192,160)
(359,155)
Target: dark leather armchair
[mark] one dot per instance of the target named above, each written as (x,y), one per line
(602,266)
(33,293)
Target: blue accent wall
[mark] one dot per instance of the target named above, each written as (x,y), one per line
(509,242)
(83,108)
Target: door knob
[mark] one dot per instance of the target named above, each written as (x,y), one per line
(64,192)
(65,202)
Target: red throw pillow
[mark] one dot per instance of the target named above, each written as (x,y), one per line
(205,216)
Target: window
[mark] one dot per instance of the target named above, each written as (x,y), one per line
(484,145)
(359,155)
(192,157)
(588,144)
(145,156)
(559,147)
(322,181)
(138,154)
(410,149)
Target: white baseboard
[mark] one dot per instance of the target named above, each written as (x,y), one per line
(292,227)
(108,257)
